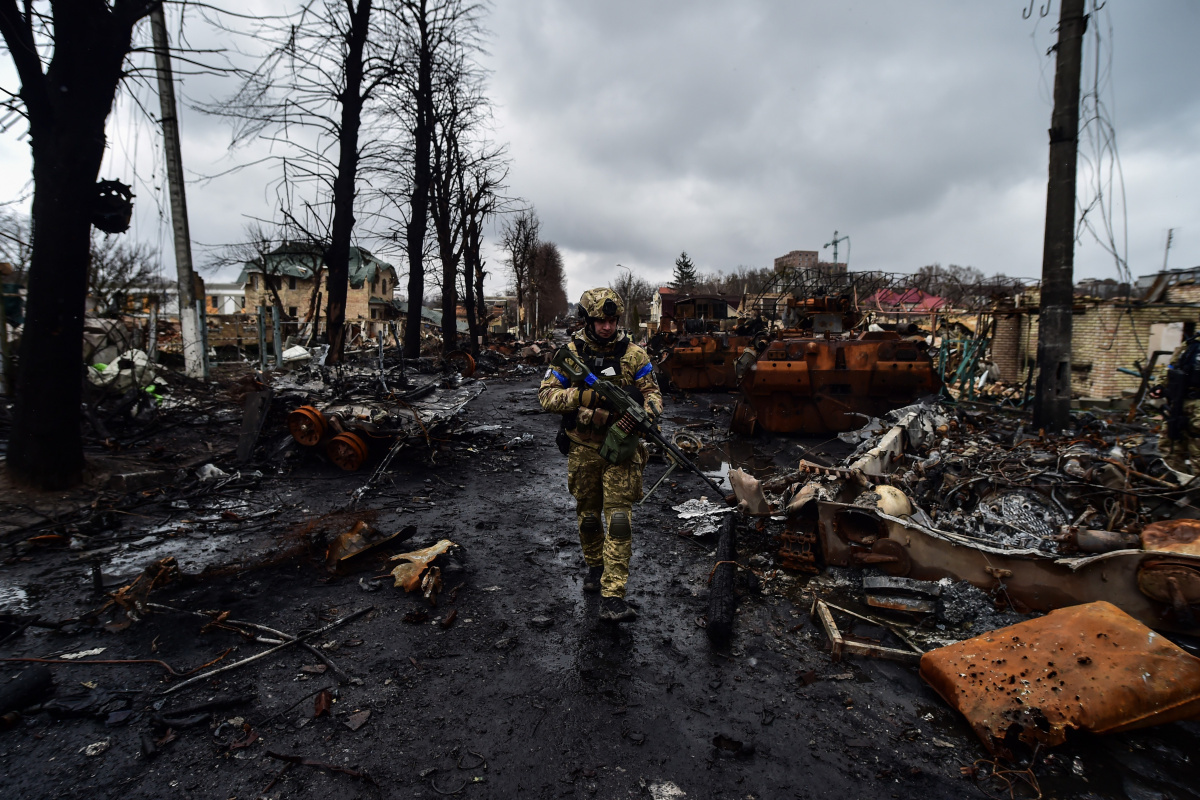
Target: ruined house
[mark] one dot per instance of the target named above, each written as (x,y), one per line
(290,269)
(1112,336)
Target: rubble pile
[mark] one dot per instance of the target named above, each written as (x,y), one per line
(987,477)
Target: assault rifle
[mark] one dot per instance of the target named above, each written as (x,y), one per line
(631,420)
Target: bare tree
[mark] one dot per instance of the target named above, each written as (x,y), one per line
(459,107)
(15,247)
(637,294)
(439,36)
(479,184)
(119,268)
(548,286)
(70,59)
(519,239)
(318,86)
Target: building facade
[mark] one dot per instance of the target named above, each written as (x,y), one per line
(289,271)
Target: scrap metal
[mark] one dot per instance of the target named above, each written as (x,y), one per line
(1091,667)
(1040,522)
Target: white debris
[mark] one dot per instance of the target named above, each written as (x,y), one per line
(296,353)
(706,514)
(96,748)
(665,791)
(210,472)
(84,653)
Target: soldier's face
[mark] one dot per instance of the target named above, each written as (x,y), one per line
(605,327)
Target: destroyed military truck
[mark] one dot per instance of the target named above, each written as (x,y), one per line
(823,370)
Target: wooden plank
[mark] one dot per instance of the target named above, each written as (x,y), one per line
(254,414)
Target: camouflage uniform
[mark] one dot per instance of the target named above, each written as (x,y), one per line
(1176,452)
(604,493)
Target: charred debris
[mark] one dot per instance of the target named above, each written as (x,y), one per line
(1012,569)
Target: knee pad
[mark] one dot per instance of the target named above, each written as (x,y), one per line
(620,526)
(590,525)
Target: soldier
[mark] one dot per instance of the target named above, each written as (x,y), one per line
(604,493)
(1182,440)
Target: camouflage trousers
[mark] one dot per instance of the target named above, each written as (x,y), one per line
(604,496)
(1176,451)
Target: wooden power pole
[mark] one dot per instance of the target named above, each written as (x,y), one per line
(189,323)
(1052,398)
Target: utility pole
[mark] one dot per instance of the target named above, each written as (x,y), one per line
(189,323)
(834,243)
(1167,249)
(1052,397)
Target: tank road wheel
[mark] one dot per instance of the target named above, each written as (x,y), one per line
(462,362)
(347,450)
(744,418)
(307,425)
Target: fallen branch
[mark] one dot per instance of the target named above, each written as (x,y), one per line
(170,670)
(308,762)
(342,676)
(283,711)
(302,637)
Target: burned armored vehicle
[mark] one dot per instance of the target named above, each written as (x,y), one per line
(826,369)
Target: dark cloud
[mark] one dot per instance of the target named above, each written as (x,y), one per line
(739,131)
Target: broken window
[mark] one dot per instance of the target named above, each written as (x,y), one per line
(292,282)
(291,311)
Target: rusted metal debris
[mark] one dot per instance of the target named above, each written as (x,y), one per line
(1091,667)
(841,645)
(1041,522)
(350,431)
(360,539)
(819,384)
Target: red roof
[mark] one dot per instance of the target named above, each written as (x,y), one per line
(909,299)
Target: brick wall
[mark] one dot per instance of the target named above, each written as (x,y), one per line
(1105,337)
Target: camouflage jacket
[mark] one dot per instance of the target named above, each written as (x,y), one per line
(621,362)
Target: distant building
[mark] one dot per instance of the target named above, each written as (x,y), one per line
(225,298)
(289,271)
(797,259)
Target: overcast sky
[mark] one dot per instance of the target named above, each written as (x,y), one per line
(738,131)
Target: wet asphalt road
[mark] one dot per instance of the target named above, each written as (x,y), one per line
(526,693)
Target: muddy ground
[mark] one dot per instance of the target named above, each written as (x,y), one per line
(524,693)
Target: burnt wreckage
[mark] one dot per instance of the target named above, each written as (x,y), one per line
(817,367)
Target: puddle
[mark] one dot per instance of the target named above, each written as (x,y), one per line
(192,552)
(13,598)
(716,461)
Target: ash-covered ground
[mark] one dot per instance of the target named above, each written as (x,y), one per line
(509,686)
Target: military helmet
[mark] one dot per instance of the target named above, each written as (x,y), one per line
(600,303)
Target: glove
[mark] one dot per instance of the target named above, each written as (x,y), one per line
(589,398)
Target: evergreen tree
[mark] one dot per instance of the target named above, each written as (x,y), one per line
(685,277)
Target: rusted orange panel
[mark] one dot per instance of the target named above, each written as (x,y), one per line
(1090,666)
(704,363)
(1173,536)
(817,385)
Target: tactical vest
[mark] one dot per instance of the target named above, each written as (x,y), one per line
(605,366)
(1189,364)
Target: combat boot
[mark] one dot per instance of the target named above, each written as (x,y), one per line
(591,581)
(615,609)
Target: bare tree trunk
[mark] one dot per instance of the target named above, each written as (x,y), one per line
(66,132)
(479,275)
(337,256)
(419,198)
(1052,398)
(470,235)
